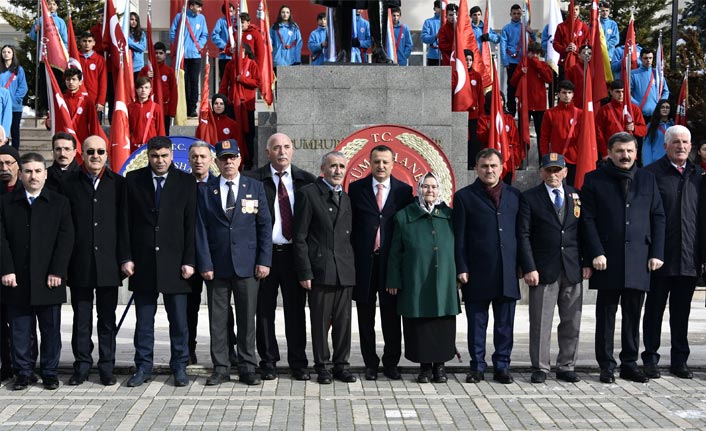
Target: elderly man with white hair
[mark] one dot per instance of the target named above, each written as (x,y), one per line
(679,182)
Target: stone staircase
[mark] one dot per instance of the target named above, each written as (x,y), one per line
(35,138)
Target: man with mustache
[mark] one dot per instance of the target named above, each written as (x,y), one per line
(9,168)
(624,237)
(282,180)
(323,258)
(63,147)
(680,183)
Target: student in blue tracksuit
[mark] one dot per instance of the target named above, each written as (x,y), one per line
(318,43)
(219,37)
(478,28)
(286,39)
(403,38)
(653,142)
(644,88)
(363,41)
(429,31)
(12,77)
(138,43)
(511,51)
(195,39)
(610,28)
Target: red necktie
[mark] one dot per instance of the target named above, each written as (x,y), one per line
(285,207)
(681,169)
(378,197)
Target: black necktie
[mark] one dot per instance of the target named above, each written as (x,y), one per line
(336,196)
(230,200)
(158,190)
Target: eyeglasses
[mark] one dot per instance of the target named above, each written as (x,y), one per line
(7,163)
(92,151)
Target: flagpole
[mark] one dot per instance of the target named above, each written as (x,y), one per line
(36,64)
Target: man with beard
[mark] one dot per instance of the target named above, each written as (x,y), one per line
(624,234)
(63,147)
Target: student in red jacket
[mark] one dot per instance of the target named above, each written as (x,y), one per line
(575,74)
(447,35)
(228,128)
(95,74)
(146,118)
(611,119)
(82,108)
(166,77)
(538,74)
(252,37)
(560,129)
(567,44)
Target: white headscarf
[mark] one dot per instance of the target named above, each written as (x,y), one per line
(420,195)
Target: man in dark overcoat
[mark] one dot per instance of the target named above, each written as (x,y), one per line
(680,183)
(94,192)
(282,180)
(157,253)
(323,258)
(375,200)
(36,238)
(63,147)
(233,253)
(549,255)
(484,216)
(623,228)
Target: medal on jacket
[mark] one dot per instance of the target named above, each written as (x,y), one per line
(249,206)
(577,204)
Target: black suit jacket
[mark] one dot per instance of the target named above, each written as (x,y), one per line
(322,236)
(300,178)
(95,212)
(36,241)
(55,175)
(367,217)
(544,243)
(159,240)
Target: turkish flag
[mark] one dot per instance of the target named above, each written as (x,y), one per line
(683,101)
(571,20)
(115,41)
(497,137)
(206,130)
(74,53)
(486,52)
(53,51)
(462,98)
(586,153)
(59,116)
(267,74)
(120,126)
(600,85)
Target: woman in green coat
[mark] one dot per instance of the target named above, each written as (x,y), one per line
(422,272)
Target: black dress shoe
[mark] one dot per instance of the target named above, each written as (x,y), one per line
(539,376)
(250,379)
(217,378)
(301,374)
(633,374)
(268,373)
(21,383)
(439,373)
(193,360)
(6,374)
(324,377)
(50,382)
(425,376)
(108,380)
(392,373)
(475,376)
(180,378)
(681,371)
(503,376)
(371,374)
(138,379)
(345,376)
(652,371)
(77,378)
(567,376)
(192,114)
(607,376)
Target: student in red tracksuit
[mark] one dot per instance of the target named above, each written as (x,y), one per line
(95,73)
(146,118)
(566,44)
(513,137)
(228,128)
(82,108)
(252,37)
(167,79)
(248,81)
(447,35)
(560,129)
(575,74)
(611,119)
(538,74)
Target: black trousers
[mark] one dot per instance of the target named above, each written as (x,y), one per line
(192,71)
(23,321)
(391,325)
(510,102)
(474,144)
(282,276)
(679,291)
(330,308)
(15,129)
(537,117)
(607,301)
(81,335)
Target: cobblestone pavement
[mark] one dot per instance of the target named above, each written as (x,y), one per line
(663,404)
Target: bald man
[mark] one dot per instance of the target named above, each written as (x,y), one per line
(281,180)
